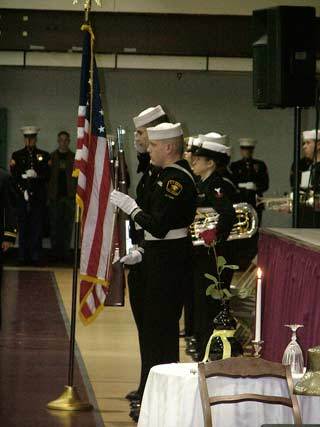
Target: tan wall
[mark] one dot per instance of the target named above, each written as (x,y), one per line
(226,7)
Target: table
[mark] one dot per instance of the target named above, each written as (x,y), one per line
(172,399)
(290,260)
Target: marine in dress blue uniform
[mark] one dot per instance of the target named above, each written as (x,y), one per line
(251,175)
(30,169)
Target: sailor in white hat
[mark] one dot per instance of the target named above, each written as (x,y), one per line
(31,170)
(214,192)
(305,162)
(309,171)
(311,150)
(167,213)
(151,116)
(250,174)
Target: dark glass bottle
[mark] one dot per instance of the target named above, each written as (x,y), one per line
(224,322)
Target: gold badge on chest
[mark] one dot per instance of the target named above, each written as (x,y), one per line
(174,187)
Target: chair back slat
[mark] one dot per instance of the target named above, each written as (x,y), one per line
(277,400)
(239,367)
(245,367)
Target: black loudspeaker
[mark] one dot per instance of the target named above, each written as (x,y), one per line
(284,57)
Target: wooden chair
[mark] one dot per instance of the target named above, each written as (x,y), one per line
(245,367)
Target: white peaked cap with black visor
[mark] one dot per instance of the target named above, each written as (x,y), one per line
(247,142)
(29,130)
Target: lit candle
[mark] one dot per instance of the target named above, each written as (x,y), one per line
(258,306)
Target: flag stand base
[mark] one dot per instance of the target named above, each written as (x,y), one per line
(69,401)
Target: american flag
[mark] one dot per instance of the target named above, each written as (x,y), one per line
(92,166)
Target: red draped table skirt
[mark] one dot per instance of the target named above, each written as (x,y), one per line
(291,288)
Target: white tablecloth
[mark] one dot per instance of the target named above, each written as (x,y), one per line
(172,399)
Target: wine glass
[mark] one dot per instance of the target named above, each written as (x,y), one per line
(293,355)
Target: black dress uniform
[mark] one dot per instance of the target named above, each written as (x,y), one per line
(309,213)
(215,192)
(251,170)
(135,279)
(8,220)
(166,264)
(303,166)
(31,199)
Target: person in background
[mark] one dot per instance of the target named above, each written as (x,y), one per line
(8,220)
(309,209)
(251,175)
(303,166)
(30,169)
(61,197)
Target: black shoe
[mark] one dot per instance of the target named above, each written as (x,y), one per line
(134,414)
(135,404)
(196,357)
(133,395)
(190,339)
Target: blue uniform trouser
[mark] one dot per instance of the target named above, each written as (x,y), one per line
(30,222)
(61,223)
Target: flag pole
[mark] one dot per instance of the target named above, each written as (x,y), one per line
(70,400)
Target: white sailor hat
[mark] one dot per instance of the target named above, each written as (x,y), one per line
(214,150)
(192,144)
(214,137)
(29,130)
(164,131)
(310,134)
(247,142)
(148,116)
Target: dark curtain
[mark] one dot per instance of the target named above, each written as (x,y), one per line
(291,293)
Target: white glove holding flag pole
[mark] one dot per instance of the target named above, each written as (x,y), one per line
(133,257)
(126,203)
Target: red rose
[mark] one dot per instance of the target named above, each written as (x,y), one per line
(209,236)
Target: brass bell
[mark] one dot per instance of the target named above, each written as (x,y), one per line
(309,384)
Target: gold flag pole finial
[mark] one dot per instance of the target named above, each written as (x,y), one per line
(87,7)
(98,2)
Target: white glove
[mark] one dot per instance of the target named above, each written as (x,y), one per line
(133,257)
(248,185)
(31,173)
(141,148)
(26,195)
(126,203)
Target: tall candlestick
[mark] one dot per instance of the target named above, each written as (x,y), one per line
(258,306)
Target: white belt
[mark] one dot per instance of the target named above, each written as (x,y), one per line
(178,233)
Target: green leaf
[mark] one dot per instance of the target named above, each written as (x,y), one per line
(227,293)
(212,287)
(210,277)
(231,266)
(216,294)
(221,261)
(209,290)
